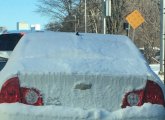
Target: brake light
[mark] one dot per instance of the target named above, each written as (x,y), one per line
(31,96)
(134,98)
(10,92)
(153,93)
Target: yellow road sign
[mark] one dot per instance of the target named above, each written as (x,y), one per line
(135,19)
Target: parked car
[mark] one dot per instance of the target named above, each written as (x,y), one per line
(157,55)
(70,75)
(8,42)
(142,50)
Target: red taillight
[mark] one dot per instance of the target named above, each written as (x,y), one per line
(31,96)
(133,98)
(153,93)
(10,91)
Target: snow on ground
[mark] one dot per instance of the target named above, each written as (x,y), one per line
(26,112)
(156,69)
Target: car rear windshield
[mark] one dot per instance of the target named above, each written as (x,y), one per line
(9,41)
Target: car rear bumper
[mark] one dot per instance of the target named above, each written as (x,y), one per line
(25,112)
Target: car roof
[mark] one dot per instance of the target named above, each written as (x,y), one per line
(21,31)
(85,53)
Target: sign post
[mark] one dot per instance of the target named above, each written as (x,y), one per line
(85,16)
(107,12)
(162,38)
(135,19)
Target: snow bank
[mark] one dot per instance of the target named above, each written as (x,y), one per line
(25,112)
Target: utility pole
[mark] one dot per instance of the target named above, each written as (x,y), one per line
(75,23)
(106,12)
(104,17)
(85,16)
(162,37)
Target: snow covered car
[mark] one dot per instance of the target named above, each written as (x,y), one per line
(83,76)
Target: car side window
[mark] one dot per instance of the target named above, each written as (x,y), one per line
(9,41)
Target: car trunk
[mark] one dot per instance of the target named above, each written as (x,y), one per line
(84,91)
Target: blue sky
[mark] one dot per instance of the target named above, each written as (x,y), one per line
(13,11)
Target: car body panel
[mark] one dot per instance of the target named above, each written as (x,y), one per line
(83,91)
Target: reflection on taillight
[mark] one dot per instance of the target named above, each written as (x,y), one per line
(31,96)
(11,92)
(152,93)
(133,98)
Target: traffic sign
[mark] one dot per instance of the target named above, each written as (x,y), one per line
(135,19)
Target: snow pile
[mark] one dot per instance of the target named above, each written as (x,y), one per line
(24,112)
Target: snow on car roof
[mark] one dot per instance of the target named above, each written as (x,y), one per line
(86,53)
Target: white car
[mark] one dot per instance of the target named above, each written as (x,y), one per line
(83,76)
(157,55)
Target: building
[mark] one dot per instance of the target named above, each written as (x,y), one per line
(36,27)
(22,26)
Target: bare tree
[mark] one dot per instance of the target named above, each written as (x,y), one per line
(116,20)
(94,16)
(57,10)
(69,16)
(147,35)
